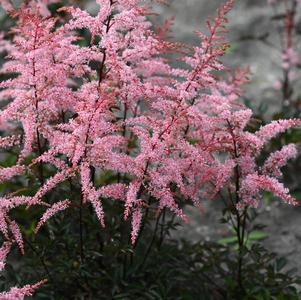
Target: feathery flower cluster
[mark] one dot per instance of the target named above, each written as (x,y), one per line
(20,293)
(117,105)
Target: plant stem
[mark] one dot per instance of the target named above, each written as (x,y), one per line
(151,243)
(41,258)
(81,231)
(162,231)
(240,256)
(240,218)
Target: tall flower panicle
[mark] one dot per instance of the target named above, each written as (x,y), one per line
(3,254)
(267,132)
(59,206)
(287,28)
(20,293)
(15,229)
(254,183)
(279,159)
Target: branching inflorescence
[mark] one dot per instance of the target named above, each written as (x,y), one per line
(286,12)
(116,104)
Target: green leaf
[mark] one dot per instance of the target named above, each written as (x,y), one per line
(257,235)
(280,263)
(228,240)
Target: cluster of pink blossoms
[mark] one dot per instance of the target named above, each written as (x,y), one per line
(118,105)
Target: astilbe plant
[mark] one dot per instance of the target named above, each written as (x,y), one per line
(285,15)
(115,104)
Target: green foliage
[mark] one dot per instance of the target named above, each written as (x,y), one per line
(110,268)
(250,239)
